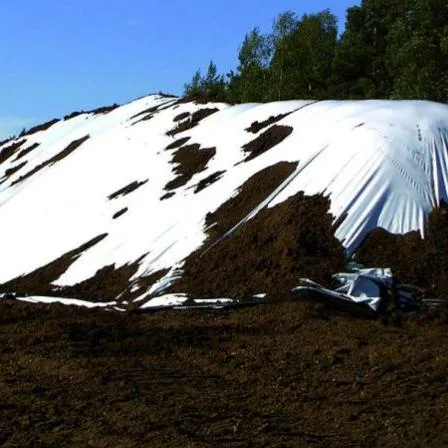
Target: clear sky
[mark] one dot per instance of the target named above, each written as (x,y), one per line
(64,55)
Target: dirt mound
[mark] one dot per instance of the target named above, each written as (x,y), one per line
(189,161)
(264,142)
(127,189)
(271,251)
(193,121)
(39,281)
(58,157)
(258,125)
(421,262)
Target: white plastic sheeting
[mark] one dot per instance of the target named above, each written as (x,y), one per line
(382,164)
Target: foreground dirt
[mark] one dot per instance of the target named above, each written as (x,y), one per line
(287,374)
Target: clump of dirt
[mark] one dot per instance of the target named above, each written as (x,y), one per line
(204,183)
(269,253)
(10,150)
(39,281)
(107,283)
(58,157)
(148,111)
(251,193)
(73,114)
(194,120)
(103,109)
(145,118)
(119,213)
(40,127)
(181,116)
(264,142)
(10,171)
(178,143)
(258,125)
(167,195)
(127,189)
(189,161)
(421,262)
(26,151)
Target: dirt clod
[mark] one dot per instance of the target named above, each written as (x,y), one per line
(267,140)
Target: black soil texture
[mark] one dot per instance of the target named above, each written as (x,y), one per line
(57,158)
(413,260)
(127,189)
(259,125)
(26,151)
(10,171)
(254,191)
(270,252)
(119,213)
(204,183)
(107,283)
(178,143)
(192,121)
(189,160)
(279,375)
(39,281)
(267,140)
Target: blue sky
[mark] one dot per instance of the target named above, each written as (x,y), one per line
(60,56)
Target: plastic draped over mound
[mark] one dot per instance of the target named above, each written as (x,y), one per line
(379,163)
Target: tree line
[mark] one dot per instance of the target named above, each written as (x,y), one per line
(389,49)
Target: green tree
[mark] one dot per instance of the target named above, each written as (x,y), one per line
(304,54)
(251,83)
(212,85)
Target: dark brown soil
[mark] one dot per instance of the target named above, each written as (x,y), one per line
(278,375)
(103,109)
(10,171)
(167,195)
(264,142)
(127,189)
(422,262)
(10,150)
(196,117)
(269,253)
(189,160)
(74,114)
(39,281)
(254,191)
(204,183)
(181,116)
(26,151)
(178,143)
(119,213)
(58,157)
(258,125)
(105,285)
(39,127)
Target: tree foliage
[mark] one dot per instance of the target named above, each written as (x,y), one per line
(389,49)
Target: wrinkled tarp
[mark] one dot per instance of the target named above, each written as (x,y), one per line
(371,289)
